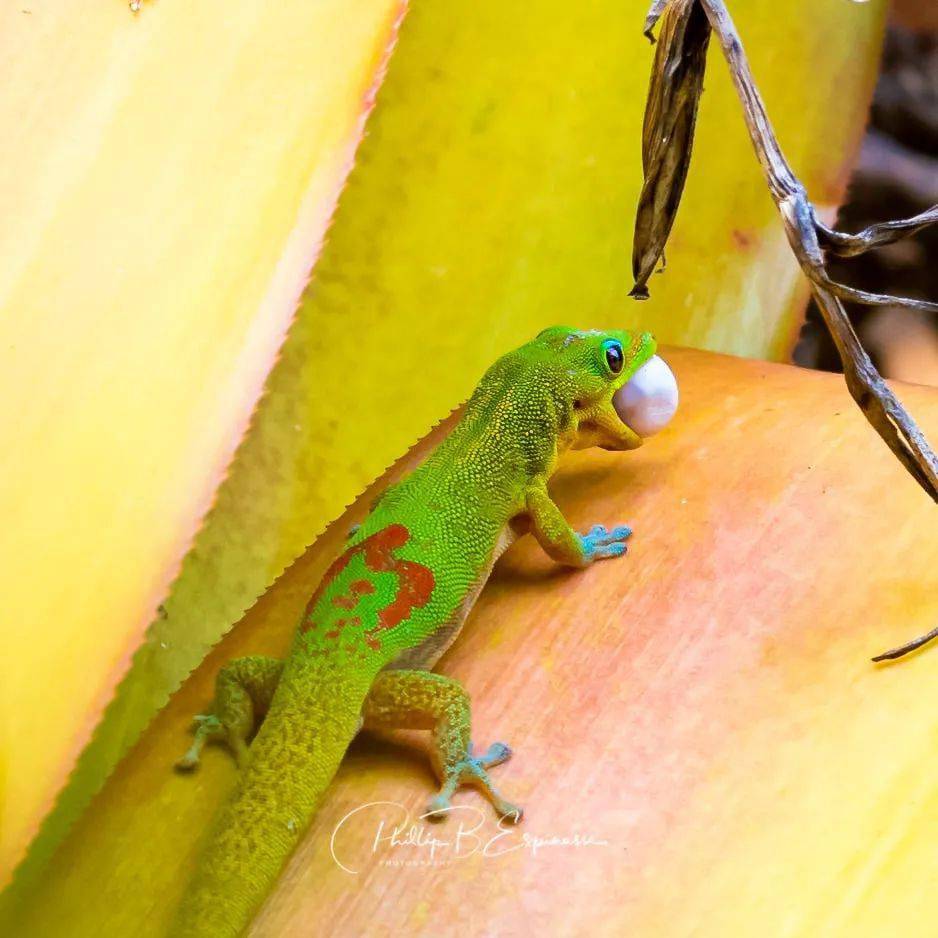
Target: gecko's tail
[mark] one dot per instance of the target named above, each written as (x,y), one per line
(293,759)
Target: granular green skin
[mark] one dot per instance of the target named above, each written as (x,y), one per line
(392,602)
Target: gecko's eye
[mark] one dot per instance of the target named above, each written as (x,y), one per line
(614,357)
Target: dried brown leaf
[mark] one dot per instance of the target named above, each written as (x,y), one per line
(668,130)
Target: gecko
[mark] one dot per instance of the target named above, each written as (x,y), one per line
(392,603)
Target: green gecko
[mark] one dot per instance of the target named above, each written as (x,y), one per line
(393,602)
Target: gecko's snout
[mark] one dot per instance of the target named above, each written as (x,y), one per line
(648,400)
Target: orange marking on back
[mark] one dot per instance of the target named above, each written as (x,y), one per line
(415,583)
(334,633)
(356,589)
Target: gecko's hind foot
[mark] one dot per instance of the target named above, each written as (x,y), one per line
(472,771)
(208,726)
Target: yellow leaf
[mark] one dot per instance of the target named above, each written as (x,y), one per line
(167,182)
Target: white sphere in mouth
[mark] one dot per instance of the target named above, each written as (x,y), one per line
(647,402)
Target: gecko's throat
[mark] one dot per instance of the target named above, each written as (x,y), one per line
(648,400)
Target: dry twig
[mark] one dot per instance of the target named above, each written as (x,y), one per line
(908,646)
(670,115)
(667,140)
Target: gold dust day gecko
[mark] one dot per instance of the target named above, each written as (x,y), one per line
(395,599)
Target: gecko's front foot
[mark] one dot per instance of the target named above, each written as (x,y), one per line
(472,771)
(600,542)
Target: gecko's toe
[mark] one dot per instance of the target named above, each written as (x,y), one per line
(496,754)
(438,808)
(509,812)
(208,721)
(600,534)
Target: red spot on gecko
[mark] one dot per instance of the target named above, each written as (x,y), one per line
(334,633)
(415,582)
(356,589)
(414,589)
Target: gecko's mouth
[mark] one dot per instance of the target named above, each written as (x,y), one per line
(648,400)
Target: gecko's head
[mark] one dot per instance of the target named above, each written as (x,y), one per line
(618,390)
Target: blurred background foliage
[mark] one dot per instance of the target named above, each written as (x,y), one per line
(896,176)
